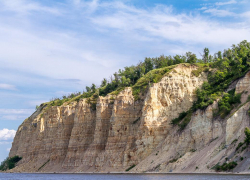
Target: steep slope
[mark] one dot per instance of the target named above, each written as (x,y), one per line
(122,132)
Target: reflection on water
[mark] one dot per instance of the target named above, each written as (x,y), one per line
(25,176)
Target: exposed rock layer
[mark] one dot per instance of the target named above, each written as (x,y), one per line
(122,132)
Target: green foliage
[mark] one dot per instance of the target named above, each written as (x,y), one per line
(225,166)
(179,119)
(222,70)
(226,104)
(173,160)
(234,141)
(247,134)
(9,163)
(239,145)
(183,120)
(131,167)
(153,76)
(200,69)
(43,165)
(248,112)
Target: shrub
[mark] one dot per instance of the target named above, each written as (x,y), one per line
(9,163)
(247,134)
(225,166)
(239,145)
(131,167)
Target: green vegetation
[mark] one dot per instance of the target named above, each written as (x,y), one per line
(234,141)
(131,167)
(43,165)
(222,69)
(246,141)
(173,160)
(239,146)
(227,103)
(9,163)
(225,166)
(226,67)
(247,134)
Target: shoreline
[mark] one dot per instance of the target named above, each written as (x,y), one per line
(121,173)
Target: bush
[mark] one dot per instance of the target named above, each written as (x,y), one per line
(239,145)
(131,167)
(247,134)
(9,163)
(225,166)
(226,104)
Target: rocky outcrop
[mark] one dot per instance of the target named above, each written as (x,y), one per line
(122,132)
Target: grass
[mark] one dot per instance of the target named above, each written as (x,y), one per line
(153,76)
(201,68)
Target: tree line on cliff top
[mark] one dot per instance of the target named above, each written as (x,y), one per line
(228,66)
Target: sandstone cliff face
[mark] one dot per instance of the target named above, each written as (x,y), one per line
(122,132)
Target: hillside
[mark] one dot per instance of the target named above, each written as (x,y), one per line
(167,114)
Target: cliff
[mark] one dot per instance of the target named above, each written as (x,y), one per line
(122,132)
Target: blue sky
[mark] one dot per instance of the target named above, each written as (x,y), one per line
(51,48)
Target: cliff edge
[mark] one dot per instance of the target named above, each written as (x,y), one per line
(136,134)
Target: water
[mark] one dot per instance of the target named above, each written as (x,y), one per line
(25,176)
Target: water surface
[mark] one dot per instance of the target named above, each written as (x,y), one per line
(24,176)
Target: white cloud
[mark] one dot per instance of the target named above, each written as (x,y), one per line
(203,8)
(15,114)
(82,44)
(7,87)
(4,142)
(8,149)
(220,13)
(26,6)
(16,111)
(226,3)
(190,29)
(7,134)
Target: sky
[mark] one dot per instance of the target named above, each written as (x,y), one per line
(52,48)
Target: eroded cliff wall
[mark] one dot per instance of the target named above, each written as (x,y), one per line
(122,132)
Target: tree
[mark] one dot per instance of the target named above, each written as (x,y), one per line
(93,87)
(191,58)
(148,65)
(205,56)
(104,82)
(88,89)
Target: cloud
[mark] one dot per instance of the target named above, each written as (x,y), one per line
(7,134)
(8,149)
(226,3)
(85,41)
(15,114)
(4,142)
(151,23)
(25,7)
(7,87)
(220,13)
